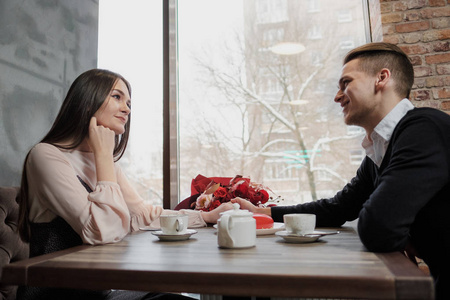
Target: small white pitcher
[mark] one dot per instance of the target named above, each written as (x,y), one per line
(236,229)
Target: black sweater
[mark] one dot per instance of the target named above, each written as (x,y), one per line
(406,199)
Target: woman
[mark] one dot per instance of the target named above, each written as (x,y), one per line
(72,190)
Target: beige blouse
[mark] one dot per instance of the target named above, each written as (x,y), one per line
(106,215)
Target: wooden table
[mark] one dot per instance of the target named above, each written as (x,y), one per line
(336,266)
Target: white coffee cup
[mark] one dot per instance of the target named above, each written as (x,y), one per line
(173,224)
(299,223)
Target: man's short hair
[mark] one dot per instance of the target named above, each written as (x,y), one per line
(376,56)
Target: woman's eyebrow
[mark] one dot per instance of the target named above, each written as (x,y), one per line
(119,91)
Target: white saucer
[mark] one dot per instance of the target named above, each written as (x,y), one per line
(174,237)
(149,228)
(307,238)
(276,227)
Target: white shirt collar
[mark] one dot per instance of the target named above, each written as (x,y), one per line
(382,133)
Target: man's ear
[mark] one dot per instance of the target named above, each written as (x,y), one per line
(383,78)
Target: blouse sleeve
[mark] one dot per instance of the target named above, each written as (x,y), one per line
(98,217)
(145,214)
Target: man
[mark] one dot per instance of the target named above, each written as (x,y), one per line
(401,191)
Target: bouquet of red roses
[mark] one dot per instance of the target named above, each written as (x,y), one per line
(220,190)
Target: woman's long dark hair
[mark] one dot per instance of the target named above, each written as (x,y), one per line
(85,96)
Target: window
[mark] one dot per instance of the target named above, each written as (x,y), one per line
(313,6)
(316,58)
(356,156)
(322,174)
(233,93)
(241,107)
(344,16)
(315,32)
(347,43)
(139,61)
(273,36)
(269,11)
(355,130)
(278,170)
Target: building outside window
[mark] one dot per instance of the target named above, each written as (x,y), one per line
(355,130)
(313,6)
(344,15)
(255,94)
(269,11)
(357,156)
(347,43)
(315,32)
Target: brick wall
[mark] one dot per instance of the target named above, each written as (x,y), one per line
(422,29)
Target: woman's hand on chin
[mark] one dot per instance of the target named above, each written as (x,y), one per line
(101,141)
(100,138)
(213,215)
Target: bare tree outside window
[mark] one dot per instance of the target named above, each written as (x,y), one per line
(258,100)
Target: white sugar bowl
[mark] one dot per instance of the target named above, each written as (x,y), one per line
(236,229)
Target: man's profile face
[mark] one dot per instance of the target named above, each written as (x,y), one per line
(356,94)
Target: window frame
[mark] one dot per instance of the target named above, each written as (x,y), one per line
(171,147)
(171,176)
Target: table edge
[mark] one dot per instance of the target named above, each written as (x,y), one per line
(403,269)
(16,273)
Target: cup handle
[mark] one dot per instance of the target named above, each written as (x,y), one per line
(180,225)
(224,228)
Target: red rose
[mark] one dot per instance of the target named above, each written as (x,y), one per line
(240,189)
(259,197)
(222,189)
(221,194)
(214,204)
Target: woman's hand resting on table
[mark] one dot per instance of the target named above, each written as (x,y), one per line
(213,215)
(245,204)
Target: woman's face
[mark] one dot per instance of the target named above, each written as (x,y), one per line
(114,111)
